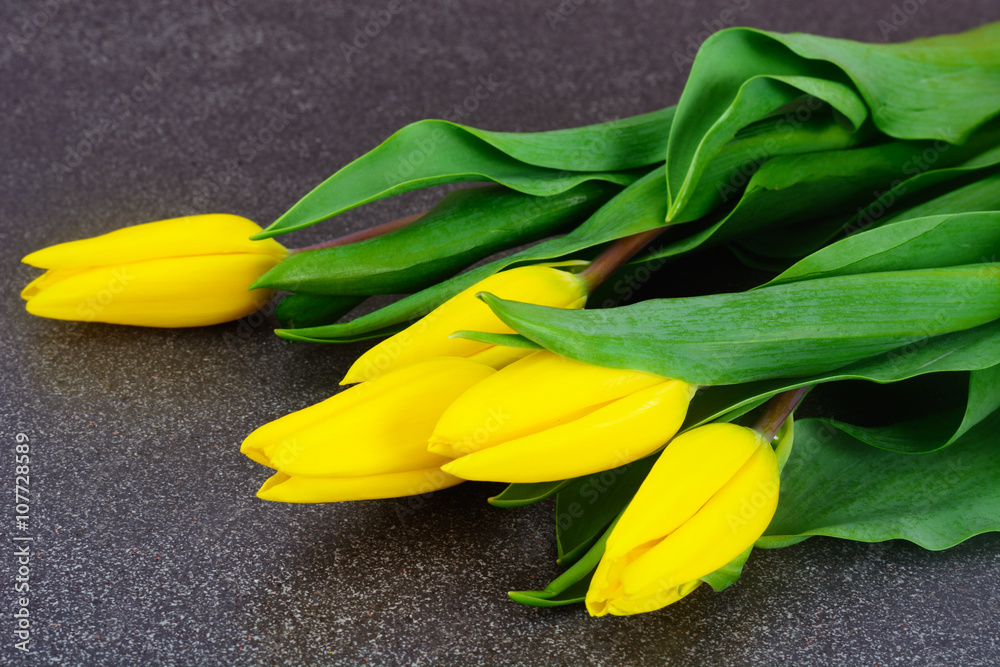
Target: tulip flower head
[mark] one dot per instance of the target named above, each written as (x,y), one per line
(707,499)
(546,417)
(368,441)
(183,272)
(430,336)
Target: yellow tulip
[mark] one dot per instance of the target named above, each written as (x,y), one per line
(368,441)
(430,336)
(546,417)
(707,499)
(182,272)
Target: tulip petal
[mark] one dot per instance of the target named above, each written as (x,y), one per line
(693,467)
(537,393)
(284,488)
(47,279)
(728,523)
(646,603)
(173,292)
(373,428)
(429,337)
(212,234)
(615,434)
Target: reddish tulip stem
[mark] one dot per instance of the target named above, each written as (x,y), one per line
(615,256)
(778,409)
(371,232)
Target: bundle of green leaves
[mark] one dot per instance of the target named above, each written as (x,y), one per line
(864,178)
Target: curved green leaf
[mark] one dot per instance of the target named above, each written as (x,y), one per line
(571,586)
(306,310)
(931,180)
(980,195)
(970,350)
(837,486)
(638,208)
(434,152)
(936,429)
(796,329)
(920,243)
(741,74)
(465,227)
(519,495)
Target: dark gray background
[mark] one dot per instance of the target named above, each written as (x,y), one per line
(150,545)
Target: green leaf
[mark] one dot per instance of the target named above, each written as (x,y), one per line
(937,428)
(519,495)
(506,340)
(728,574)
(465,227)
(837,486)
(918,180)
(638,208)
(571,586)
(304,310)
(741,74)
(920,243)
(787,191)
(969,350)
(796,329)
(980,195)
(434,152)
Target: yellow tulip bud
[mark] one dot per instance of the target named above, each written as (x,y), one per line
(368,441)
(183,272)
(707,499)
(547,417)
(429,337)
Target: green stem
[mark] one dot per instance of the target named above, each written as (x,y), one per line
(615,256)
(778,409)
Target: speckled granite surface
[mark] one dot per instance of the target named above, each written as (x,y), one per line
(149,545)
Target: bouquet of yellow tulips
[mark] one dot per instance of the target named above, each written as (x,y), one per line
(864,180)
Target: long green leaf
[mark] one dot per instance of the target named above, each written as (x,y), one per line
(433,152)
(970,350)
(787,192)
(787,330)
(306,310)
(920,243)
(930,181)
(640,207)
(836,486)
(465,227)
